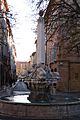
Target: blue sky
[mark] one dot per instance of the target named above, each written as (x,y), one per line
(22,30)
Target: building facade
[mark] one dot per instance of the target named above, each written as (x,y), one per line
(5,45)
(62,29)
(21,67)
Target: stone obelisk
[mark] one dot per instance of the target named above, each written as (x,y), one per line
(40,40)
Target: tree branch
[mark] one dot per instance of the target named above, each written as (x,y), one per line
(77,6)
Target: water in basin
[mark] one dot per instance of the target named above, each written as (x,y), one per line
(17,98)
(38,98)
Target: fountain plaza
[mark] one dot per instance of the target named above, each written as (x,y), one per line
(38,99)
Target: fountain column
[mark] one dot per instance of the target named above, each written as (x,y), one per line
(40,40)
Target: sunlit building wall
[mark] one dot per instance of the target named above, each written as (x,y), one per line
(21,67)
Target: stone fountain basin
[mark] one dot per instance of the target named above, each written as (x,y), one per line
(21,92)
(39,110)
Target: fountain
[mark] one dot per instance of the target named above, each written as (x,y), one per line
(42,83)
(40,101)
(20,88)
(41,79)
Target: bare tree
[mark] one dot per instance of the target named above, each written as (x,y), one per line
(65,19)
(39,2)
(36,6)
(71,26)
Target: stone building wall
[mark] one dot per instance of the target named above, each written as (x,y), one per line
(62,26)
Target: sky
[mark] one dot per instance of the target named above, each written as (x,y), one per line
(23,34)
